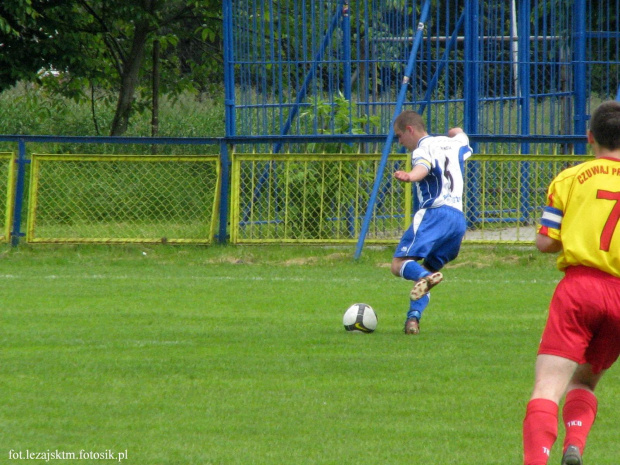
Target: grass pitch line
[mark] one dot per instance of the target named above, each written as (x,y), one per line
(300,279)
(185,278)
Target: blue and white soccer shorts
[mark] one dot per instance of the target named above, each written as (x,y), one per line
(435,235)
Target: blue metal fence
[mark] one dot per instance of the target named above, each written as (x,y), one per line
(526,73)
(25,144)
(519,76)
(22,161)
(512,67)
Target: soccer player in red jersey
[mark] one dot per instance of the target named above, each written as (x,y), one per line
(581,339)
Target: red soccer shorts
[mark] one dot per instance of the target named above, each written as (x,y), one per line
(584,318)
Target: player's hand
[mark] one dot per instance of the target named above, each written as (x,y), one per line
(402,176)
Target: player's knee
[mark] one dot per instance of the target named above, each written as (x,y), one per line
(396,266)
(585,378)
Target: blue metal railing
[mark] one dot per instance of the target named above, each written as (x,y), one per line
(390,136)
(225,145)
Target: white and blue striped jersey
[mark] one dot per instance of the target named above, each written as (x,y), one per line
(443,156)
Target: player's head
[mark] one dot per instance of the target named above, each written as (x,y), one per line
(409,128)
(605,125)
(409,118)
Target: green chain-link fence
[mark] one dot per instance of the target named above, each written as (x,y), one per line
(506,193)
(7,193)
(90,198)
(312,198)
(323,198)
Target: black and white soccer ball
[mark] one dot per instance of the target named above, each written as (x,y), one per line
(360,318)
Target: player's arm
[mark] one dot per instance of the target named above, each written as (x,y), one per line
(454,131)
(547,244)
(418,173)
(548,238)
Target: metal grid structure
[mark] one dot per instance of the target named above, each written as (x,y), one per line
(520,77)
(312,198)
(322,198)
(123,199)
(505,194)
(285,198)
(515,70)
(7,193)
(315,86)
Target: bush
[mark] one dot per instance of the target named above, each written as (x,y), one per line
(27,109)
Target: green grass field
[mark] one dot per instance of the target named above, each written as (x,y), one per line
(237,356)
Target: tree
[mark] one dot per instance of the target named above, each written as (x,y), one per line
(16,17)
(14,14)
(106,44)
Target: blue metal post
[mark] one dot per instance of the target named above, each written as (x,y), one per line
(472,80)
(472,72)
(222,236)
(390,137)
(346,48)
(301,95)
(230,119)
(19,193)
(346,51)
(229,69)
(579,69)
(524,28)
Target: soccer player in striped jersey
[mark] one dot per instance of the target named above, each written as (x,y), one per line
(438,227)
(581,339)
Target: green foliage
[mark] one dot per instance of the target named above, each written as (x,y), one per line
(340,116)
(14,14)
(322,196)
(106,48)
(31,109)
(323,190)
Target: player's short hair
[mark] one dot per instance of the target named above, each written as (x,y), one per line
(605,125)
(409,118)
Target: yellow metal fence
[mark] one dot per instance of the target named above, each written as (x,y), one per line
(313,198)
(323,198)
(7,193)
(108,199)
(287,198)
(505,194)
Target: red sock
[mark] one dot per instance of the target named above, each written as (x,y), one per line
(579,413)
(540,430)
